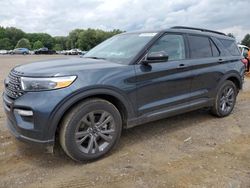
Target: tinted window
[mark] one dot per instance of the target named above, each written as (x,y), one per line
(173,45)
(200,47)
(215,50)
(230,46)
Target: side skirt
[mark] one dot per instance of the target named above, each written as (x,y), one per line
(170,111)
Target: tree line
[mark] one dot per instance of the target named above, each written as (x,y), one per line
(84,39)
(246,40)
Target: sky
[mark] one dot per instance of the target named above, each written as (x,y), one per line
(59,17)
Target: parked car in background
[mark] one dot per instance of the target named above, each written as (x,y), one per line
(23,51)
(31,52)
(44,51)
(3,52)
(63,52)
(74,52)
(243,48)
(245,52)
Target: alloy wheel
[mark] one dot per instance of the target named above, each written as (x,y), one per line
(95,132)
(227,99)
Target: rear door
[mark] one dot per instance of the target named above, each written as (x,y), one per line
(206,65)
(164,84)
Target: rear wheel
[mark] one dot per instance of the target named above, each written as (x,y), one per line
(90,130)
(225,99)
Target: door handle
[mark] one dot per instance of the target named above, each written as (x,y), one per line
(220,60)
(181,66)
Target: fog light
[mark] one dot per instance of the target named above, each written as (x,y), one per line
(24,112)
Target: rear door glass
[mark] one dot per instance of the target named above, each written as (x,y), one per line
(199,46)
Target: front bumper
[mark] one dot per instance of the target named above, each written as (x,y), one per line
(24,128)
(35,127)
(18,134)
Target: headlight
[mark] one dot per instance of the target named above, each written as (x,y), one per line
(38,84)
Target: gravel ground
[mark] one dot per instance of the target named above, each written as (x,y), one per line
(190,150)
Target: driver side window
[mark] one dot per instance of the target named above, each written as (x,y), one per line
(171,44)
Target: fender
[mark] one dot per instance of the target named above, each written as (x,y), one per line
(227,76)
(82,94)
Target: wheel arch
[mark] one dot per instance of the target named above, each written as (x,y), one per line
(116,98)
(236,81)
(234,77)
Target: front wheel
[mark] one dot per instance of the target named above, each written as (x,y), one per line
(90,130)
(225,99)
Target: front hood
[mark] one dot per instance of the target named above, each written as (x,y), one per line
(60,67)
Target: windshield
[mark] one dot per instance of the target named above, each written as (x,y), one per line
(120,48)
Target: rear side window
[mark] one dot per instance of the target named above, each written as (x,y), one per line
(230,46)
(200,47)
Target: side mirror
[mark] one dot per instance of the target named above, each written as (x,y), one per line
(156,57)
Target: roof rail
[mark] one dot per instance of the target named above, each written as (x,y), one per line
(197,29)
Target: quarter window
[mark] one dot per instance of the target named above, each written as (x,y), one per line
(173,45)
(230,46)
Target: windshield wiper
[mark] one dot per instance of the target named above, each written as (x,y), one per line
(93,57)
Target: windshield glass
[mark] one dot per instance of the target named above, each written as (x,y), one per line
(120,48)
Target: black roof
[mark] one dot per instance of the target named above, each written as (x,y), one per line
(197,29)
(200,31)
(189,30)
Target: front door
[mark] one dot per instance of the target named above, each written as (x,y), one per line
(164,84)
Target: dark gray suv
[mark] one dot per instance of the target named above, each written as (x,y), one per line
(129,79)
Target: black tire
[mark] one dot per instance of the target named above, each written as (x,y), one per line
(225,99)
(90,130)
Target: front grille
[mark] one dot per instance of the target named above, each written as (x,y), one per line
(13,85)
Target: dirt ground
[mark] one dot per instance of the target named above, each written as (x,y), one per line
(190,150)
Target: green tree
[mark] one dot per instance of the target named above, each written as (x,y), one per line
(48,41)
(84,39)
(5,44)
(69,44)
(45,38)
(38,44)
(60,43)
(2,32)
(23,43)
(14,34)
(89,38)
(72,38)
(57,47)
(246,40)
